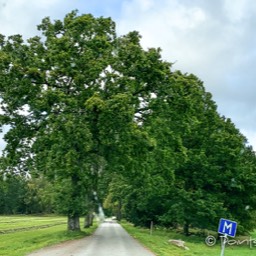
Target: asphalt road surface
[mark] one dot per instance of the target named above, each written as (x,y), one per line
(110,239)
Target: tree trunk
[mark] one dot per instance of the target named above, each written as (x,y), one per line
(88,220)
(186,228)
(119,210)
(73,223)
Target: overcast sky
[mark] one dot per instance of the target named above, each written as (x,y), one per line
(213,39)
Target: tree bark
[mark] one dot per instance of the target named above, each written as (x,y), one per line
(119,210)
(88,220)
(186,228)
(73,222)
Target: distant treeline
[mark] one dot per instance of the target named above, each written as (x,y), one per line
(19,195)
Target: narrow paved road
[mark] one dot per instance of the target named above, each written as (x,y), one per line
(110,239)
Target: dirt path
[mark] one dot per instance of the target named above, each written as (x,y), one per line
(110,239)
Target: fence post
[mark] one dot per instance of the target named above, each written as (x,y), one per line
(151,227)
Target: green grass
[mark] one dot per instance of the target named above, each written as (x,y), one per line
(158,243)
(12,223)
(20,235)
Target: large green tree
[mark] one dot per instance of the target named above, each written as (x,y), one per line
(73,100)
(47,90)
(200,168)
(85,106)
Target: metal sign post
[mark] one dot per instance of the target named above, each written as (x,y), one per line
(223,245)
(227,228)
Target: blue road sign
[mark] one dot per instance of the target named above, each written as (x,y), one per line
(227,227)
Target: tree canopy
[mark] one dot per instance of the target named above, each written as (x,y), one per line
(95,112)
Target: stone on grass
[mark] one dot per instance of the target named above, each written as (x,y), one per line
(178,243)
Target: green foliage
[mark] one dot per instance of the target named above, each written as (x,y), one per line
(39,196)
(13,192)
(195,174)
(25,196)
(89,112)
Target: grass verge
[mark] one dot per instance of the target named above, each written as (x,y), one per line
(158,243)
(20,242)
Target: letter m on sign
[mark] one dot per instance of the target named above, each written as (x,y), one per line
(227,227)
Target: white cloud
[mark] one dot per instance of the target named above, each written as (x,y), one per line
(22,16)
(215,40)
(238,10)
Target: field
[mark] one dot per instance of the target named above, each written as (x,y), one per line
(20,235)
(158,243)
